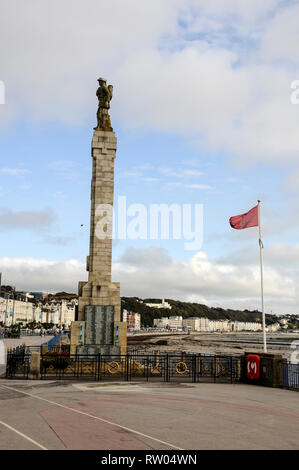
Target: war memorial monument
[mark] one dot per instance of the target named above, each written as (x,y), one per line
(99,329)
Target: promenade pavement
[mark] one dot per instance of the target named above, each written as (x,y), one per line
(124,416)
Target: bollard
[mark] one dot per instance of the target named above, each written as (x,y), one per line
(34,370)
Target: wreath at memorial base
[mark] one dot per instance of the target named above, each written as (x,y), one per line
(58,360)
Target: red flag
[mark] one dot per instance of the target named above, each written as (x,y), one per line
(249,219)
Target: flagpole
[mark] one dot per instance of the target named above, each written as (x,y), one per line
(262,276)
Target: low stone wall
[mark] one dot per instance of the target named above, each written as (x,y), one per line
(270,370)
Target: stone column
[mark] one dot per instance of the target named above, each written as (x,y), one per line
(99,298)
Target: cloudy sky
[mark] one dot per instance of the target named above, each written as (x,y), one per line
(204,113)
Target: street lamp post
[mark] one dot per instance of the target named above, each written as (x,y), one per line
(60,326)
(13,305)
(6,310)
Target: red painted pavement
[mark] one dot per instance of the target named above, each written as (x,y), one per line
(79,432)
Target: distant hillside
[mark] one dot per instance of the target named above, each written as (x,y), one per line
(62,295)
(188,309)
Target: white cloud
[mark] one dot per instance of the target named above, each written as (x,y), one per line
(292,181)
(151,273)
(67,169)
(130,174)
(232,9)
(218,73)
(150,179)
(32,220)
(230,91)
(14,171)
(198,186)
(280,256)
(177,184)
(58,240)
(203,94)
(233,282)
(184,174)
(180,173)
(42,275)
(281,36)
(62,47)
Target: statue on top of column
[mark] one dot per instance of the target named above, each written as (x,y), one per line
(104,94)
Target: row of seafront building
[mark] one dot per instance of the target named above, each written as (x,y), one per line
(195,324)
(59,312)
(206,325)
(62,312)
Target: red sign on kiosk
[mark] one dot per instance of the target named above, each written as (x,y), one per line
(253,366)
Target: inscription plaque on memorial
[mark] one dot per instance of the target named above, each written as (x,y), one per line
(99,324)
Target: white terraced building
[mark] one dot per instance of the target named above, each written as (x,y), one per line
(205,325)
(17,311)
(197,324)
(174,322)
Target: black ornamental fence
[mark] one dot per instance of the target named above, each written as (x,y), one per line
(18,362)
(162,367)
(155,366)
(290,375)
(149,367)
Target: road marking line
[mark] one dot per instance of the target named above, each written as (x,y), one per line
(94,417)
(23,435)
